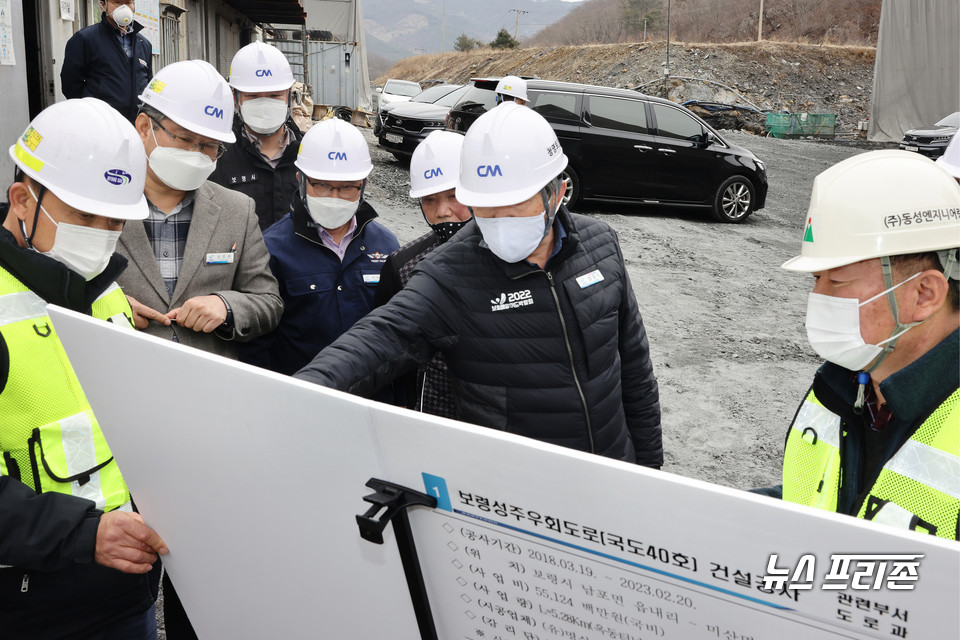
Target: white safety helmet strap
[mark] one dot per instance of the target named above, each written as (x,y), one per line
(950,263)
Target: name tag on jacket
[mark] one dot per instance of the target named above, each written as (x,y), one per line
(590,279)
(219,258)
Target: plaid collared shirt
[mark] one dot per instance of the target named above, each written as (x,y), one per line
(288,139)
(168,237)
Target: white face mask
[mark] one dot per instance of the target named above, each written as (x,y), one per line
(178,168)
(833,330)
(84,250)
(264,115)
(122,15)
(331,213)
(512,238)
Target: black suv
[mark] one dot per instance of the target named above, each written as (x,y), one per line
(628,147)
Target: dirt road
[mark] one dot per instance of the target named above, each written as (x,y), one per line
(725,322)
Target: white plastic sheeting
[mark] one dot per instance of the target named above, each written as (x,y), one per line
(344,18)
(916,79)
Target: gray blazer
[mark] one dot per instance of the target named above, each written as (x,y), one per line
(221,217)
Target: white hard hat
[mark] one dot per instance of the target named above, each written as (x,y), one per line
(260,67)
(435,165)
(880,203)
(513,86)
(195,96)
(509,154)
(950,160)
(89,156)
(334,150)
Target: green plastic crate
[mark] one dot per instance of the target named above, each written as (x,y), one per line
(795,125)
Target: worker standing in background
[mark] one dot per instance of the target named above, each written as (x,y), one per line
(434,171)
(326,253)
(260,163)
(110,60)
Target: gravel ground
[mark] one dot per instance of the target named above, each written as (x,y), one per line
(725,323)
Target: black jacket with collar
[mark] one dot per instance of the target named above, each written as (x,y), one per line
(911,394)
(55,589)
(243,168)
(95,65)
(559,355)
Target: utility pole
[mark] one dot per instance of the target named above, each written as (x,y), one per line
(443,24)
(668,37)
(306,57)
(517,23)
(760,26)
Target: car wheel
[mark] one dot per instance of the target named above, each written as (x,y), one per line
(572,195)
(734,200)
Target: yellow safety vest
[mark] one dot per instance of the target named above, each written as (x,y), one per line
(49,437)
(918,488)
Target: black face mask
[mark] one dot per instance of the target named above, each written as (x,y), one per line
(445,230)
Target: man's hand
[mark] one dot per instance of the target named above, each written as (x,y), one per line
(125,543)
(203,313)
(142,314)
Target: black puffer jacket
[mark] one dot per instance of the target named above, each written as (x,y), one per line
(543,354)
(243,168)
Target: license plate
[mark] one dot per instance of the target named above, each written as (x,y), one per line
(911,149)
(395,139)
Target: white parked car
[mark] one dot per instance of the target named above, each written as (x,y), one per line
(396,91)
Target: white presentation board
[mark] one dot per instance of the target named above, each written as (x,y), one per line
(255,479)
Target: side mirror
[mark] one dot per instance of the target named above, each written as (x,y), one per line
(379,89)
(708,138)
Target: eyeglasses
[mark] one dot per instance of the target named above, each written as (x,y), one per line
(325,190)
(189,143)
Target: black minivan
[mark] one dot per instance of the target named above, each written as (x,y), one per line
(624,146)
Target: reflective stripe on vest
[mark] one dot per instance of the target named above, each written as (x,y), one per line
(811,461)
(23,305)
(918,488)
(49,437)
(72,457)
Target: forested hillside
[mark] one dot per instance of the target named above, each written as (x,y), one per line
(840,22)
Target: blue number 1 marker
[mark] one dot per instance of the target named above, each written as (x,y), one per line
(437,487)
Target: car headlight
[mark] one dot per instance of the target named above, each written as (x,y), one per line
(760,163)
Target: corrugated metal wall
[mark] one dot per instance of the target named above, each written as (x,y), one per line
(330,66)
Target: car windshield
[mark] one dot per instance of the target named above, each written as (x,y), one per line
(477,100)
(433,94)
(399,88)
(952,120)
(453,97)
